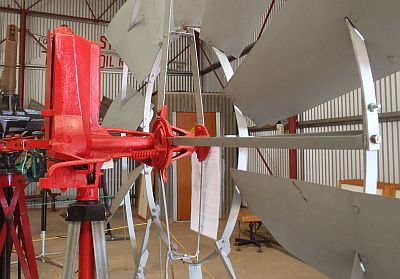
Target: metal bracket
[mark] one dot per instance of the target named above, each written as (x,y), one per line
(372,137)
(358,270)
(195,271)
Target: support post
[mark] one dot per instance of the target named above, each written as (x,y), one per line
(22,46)
(293,152)
(86,253)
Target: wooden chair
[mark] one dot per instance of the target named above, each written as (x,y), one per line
(384,189)
(245,216)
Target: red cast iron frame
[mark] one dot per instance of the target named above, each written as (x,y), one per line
(73,135)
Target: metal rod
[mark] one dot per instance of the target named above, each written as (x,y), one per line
(351,120)
(36,40)
(352,140)
(264,161)
(90,9)
(16,3)
(211,65)
(169,62)
(246,50)
(266,19)
(34,4)
(231,58)
(43,220)
(106,10)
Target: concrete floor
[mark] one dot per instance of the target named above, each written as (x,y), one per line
(248,263)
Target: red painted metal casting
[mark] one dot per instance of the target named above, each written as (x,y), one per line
(75,140)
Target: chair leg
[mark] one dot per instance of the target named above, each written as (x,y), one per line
(238,247)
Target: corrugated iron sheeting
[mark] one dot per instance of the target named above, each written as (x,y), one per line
(328,167)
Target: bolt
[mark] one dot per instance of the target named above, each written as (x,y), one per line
(373,107)
(377,139)
(364,259)
(392,59)
(9,218)
(353,17)
(356,210)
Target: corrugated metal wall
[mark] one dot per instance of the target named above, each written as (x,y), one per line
(328,167)
(277,159)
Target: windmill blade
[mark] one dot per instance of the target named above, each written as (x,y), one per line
(134,45)
(352,140)
(124,189)
(126,114)
(154,12)
(305,56)
(189,12)
(325,226)
(138,43)
(186,13)
(229,24)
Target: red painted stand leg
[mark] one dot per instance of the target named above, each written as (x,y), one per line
(86,253)
(16,214)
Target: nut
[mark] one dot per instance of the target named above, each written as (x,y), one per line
(373,107)
(377,139)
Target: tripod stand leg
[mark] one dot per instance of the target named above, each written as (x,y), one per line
(100,251)
(71,250)
(5,256)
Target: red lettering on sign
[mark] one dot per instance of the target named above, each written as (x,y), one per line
(103,42)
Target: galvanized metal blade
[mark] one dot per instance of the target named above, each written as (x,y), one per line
(324,226)
(134,45)
(229,24)
(126,114)
(124,189)
(305,56)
